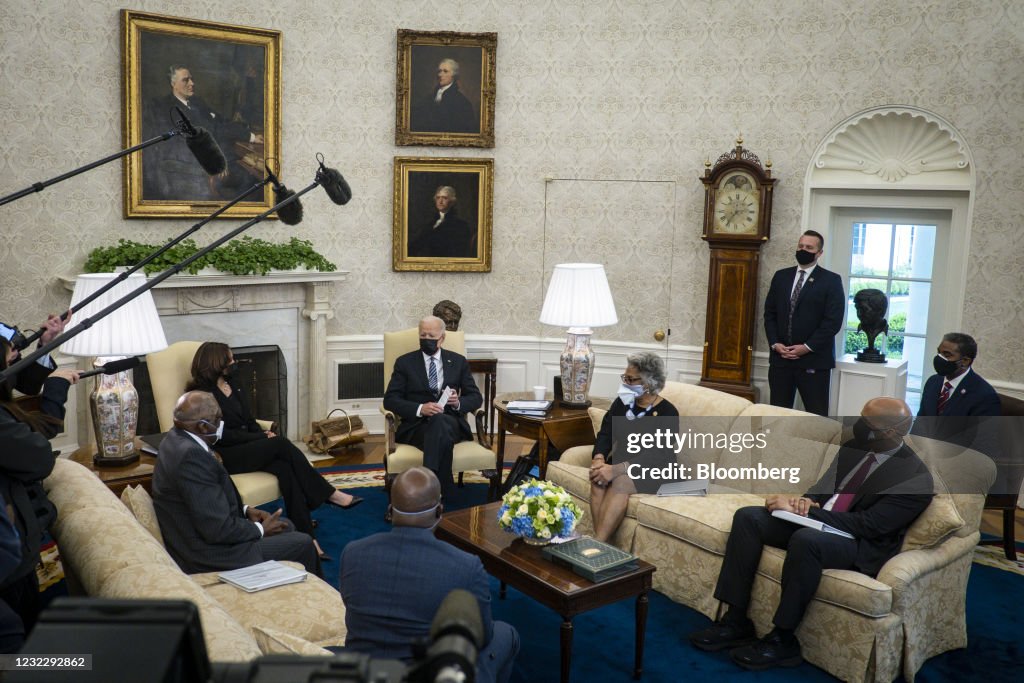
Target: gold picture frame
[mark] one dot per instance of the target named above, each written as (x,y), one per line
(445,87)
(231,78)
(425,240)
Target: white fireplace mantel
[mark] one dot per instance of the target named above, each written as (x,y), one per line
(287,308)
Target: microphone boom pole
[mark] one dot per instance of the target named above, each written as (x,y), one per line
(142,264)
(150,284)
(40,186)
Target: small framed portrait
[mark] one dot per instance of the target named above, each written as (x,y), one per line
(223,79)
(445,88)
(443,213)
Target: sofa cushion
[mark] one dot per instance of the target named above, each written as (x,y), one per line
(842,587)
(703,521)
(226,639)
(274,642)
(139,502)
(938,521)
(311,609)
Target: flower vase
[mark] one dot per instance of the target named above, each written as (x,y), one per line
(529,540)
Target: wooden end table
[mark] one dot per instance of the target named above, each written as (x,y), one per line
(487,365)
(522,566)
(139,473)
(561,427)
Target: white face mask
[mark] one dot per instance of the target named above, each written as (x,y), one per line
(216,436)
(628,393)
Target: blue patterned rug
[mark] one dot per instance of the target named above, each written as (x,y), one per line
(603,642)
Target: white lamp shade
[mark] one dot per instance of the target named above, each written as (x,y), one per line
(132,330)
(578,296)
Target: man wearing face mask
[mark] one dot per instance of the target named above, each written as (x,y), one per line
(393,582)
(416,386)
(803,312)
(874,489)
(955,389)
(202,519)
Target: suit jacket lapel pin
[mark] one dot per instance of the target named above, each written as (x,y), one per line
(963,391)
(810,280)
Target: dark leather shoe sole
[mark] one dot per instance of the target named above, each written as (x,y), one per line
(753,659)
(721,637)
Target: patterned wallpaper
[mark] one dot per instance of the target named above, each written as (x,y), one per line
(638,92)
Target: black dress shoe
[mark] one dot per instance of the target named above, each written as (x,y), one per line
(324,557)
(724,634)
(772,650)
(356,500)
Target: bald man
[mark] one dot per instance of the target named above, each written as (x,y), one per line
(202,519)
(416,386)
(874,489)
(393,582)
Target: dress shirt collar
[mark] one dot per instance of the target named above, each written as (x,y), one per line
(440,91)
(206,446)
(955,382)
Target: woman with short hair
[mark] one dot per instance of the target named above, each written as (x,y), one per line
(638,398)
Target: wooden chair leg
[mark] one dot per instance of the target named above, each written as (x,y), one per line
(1009,542)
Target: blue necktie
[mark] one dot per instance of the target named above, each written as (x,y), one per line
(432,375)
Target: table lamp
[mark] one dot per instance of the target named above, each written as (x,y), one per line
(132,330)
(579,298)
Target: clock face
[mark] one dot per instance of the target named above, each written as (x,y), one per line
(737,202)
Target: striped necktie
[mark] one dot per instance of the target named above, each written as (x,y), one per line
(943,397)
(432,374)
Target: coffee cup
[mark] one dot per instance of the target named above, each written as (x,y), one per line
(539,391)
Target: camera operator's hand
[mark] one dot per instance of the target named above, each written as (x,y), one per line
(54,326)
(67,374)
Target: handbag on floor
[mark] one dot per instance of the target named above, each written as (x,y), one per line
(336,432)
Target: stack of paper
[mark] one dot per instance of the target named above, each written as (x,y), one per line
(262,576)
(690,487)
(535,408)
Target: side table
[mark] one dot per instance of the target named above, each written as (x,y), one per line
(561,427)
(139,473)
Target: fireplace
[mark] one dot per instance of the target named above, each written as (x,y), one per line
(262,378)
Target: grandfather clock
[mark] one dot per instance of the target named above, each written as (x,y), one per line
(737,221)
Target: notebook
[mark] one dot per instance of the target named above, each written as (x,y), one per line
(690,487)
(262,576)
(809,522)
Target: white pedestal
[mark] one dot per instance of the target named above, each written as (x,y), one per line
(855,383)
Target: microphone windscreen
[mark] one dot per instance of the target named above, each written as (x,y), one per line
(460,613)
(336,187)
(206,151)
(290,214)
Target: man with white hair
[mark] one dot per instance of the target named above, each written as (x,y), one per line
(417,384)
(446,110)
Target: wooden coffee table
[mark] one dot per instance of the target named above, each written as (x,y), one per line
(521,566)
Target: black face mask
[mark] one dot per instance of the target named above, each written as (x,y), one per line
(944,366)
(231,370)
(428,346)
(870,440)
(804,258)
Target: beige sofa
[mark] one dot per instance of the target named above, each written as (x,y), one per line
(857,628)
(107,552)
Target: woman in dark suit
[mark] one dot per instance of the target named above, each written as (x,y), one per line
(610,484)
(246,447)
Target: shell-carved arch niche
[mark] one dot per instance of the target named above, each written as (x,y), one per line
(893,146)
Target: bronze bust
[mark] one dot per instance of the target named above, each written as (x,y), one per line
(450,312)
(871,305)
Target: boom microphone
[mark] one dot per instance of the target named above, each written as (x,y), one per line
(335,185)
(202,145)
(290,214)
(112,368)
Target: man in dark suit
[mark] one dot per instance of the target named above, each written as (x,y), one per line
(417,384)
(393,582)
(447,235)
(874,489)
(956,401)
(803,312)
(202,519)
(170,169)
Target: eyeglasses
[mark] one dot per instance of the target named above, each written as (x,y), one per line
(626,379)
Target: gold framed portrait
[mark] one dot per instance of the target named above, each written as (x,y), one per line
(224,79)
(445,88)
(442,214)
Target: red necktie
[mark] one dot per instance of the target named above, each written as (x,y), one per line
(845,498)
(943,397)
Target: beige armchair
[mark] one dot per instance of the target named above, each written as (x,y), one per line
(169,371)
(468,455)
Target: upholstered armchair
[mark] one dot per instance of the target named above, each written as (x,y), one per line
(468,456)
(169,371)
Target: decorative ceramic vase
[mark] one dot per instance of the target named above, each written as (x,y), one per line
(535,541)
(115,415)
(577,368)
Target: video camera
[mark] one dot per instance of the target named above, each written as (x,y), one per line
(161,641)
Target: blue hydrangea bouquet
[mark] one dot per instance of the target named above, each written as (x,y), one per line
(538,511)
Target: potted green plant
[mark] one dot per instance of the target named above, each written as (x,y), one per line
(245,256)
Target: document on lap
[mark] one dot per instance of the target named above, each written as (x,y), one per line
(445,395)
(808,522)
